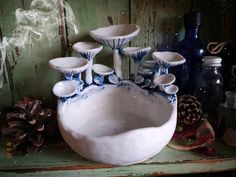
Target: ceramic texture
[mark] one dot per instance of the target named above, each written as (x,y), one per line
(168,58)
(115,121)
(88,50)
(69,66)
(109,124)
(136,53)
(171,89)
(115,36)
(66,88)
(164,79)
(102,69)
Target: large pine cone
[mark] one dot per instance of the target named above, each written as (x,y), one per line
(189,110)
(25,126)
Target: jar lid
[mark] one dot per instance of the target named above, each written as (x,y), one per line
(231,99)
(212,61)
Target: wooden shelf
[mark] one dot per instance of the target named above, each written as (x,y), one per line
(59,160)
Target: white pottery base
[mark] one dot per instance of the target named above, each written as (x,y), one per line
(117,124)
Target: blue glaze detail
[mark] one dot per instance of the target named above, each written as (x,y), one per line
(146,84)
(99,80)
(64,99)
(123,84)
(87,55)
(139,79)
(113,79)
(138,58)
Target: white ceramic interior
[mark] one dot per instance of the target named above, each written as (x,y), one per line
(65,88)
(115,36)
(171,89)
(170,58)
(90,48)
(150,64)
(135,51)
(118,125)
(145,72)
(164,79)
(69,65)
(102,69)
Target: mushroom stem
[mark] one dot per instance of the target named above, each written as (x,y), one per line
(117,63)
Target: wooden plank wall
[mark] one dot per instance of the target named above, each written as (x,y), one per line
(161,22)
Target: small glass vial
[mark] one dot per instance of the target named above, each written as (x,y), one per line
(209,88)
(228,115)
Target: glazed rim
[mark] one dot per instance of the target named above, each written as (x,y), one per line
(102,69)
(165,79)
(119,31)
(65,88)
(171,89)
(126,132)
(134,50)
(145,71)
(69,62)
(87,46)
(169,57)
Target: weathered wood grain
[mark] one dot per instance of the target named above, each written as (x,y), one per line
(27,68)
(218,20)
(160,21)
(92,14)
(59,160)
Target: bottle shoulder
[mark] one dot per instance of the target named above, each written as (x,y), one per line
(190,49)
(186,43)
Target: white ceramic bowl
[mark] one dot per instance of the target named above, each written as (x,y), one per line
(115,36)
(117,124)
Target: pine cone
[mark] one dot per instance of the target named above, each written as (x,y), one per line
(189,110)
(25,126)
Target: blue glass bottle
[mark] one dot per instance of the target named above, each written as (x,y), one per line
(191,48)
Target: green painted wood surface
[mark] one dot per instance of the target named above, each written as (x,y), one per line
(27,73)
(161,23)
(60,160)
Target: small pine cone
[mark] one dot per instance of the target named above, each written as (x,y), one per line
(25,126)
(189,110)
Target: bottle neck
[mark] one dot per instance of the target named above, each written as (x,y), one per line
(192,32)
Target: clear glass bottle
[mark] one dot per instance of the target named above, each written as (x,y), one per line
(228,115)
(209,87)
(191,48)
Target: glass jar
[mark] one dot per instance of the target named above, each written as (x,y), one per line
(209,88)
(228,116)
